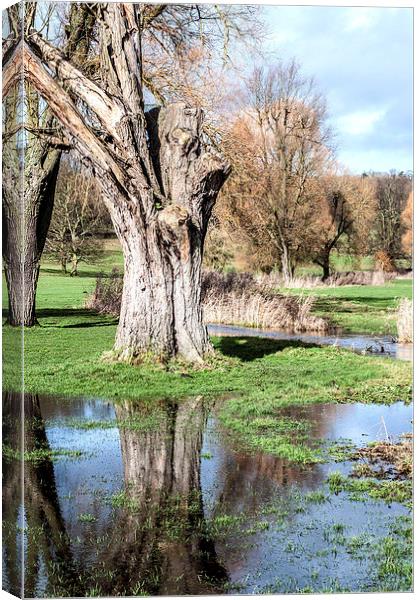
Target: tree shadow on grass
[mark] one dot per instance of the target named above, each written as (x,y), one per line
(73,318)
(70,318)
(80,275)
(248,348)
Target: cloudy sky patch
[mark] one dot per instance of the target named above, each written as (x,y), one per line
(362,59)
(360,122)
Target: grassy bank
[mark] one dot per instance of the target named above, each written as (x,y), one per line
(361,308)
(258,377)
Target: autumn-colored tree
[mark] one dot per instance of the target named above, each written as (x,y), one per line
(392,193)
(278,143)
(345,210)
(407,223)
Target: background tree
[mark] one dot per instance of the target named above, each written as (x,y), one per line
(392,193)
(345,211)
(79,218)
(34,136)
(278,143)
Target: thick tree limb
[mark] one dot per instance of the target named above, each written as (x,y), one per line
(13,69)
(64,110)
(8,46)
(107,110)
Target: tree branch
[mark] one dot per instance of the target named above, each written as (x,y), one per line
(64,110)
(13,69)
(108,111)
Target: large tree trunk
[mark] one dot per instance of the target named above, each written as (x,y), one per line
(161,312)
(25,227)
(159,177)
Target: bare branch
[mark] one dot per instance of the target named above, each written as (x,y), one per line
(64,110)
(108,111)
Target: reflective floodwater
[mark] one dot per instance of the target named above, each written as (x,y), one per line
(130,499)
(382,345)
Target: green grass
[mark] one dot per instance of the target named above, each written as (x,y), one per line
(361,308)
(360,489)
(257,377)
(39,455)
(87,518)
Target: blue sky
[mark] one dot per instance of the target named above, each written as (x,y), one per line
(362,59)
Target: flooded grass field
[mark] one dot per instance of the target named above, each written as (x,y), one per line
(136,499)
(381,345)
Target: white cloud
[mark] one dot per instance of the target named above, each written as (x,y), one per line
(285,36)
(360,18)
(360,122)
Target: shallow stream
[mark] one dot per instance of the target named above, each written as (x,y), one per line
(381,345)
(122,499)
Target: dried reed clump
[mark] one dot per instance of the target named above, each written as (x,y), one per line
(214,282)
(304,282)
(258,309)
(335,280)
(230,299)
(361,278)
(405,321)
(106,297)
(241,299)
(398,455)
(405,274)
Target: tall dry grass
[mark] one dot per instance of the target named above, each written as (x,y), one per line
(229,299)
(405,321)
(340,279)
(106,297)
(253,308)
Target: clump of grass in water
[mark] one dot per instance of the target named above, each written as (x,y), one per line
(361,489)
(86,518)
(393,557)
(280,436)
(316,497)
(39,454)
(123,500)
(340,452)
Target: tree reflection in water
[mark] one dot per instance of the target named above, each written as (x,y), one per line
(162,477)
(46,545)
(156,542)
(12,494)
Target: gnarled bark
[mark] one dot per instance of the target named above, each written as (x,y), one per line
(161,310)
(159,182)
